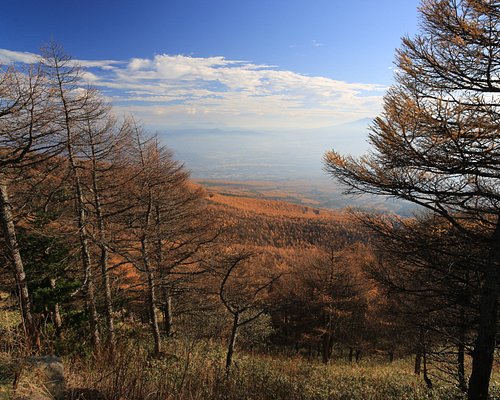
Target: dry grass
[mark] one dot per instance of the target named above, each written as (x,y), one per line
(20,381)
(195,371)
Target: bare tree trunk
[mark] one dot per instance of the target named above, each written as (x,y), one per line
(9,233)
(56,311)
(418,362)
(153,319)
(427,380)
(103,261)
(330,347)
(358,356)
(462,383)
(94,329)
(167,300)
(72,111)
(484,349)
(232,342)
(167,312)
(87,266)
(152,310)
(84,243)
(327,347)
(108,304)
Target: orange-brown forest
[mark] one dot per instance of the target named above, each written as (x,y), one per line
(149,285)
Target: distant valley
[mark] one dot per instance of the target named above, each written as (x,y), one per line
(251,155)
(285,166)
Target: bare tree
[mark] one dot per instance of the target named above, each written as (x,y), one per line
(243,296)
(184,232)
(103,151)
(26,138)
(156,191)
(74,106)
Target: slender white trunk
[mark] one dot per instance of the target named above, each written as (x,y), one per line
(103,261)
(9,233)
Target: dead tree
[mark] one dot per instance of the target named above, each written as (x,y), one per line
(243,296)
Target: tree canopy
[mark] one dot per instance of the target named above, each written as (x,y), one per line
(437,142)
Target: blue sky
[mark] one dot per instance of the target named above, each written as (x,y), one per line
(347,40)
(227,64)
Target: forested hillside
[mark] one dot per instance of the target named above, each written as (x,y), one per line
(149,285)
(284,225)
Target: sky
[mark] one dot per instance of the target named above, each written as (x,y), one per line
(253,65)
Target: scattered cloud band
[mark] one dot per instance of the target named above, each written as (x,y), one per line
(168,91)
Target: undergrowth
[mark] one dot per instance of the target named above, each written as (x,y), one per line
(188,370)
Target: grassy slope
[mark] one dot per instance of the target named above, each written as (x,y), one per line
(195,371)
(29,384)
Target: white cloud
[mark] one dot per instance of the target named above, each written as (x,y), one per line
(177,90)
(103,64)
(138,63)
(8,57)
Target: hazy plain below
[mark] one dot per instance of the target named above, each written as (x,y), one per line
(276,165)
(271,156)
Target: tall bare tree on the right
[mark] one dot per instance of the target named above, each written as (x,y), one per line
(437,142)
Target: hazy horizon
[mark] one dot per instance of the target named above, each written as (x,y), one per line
(264,155)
